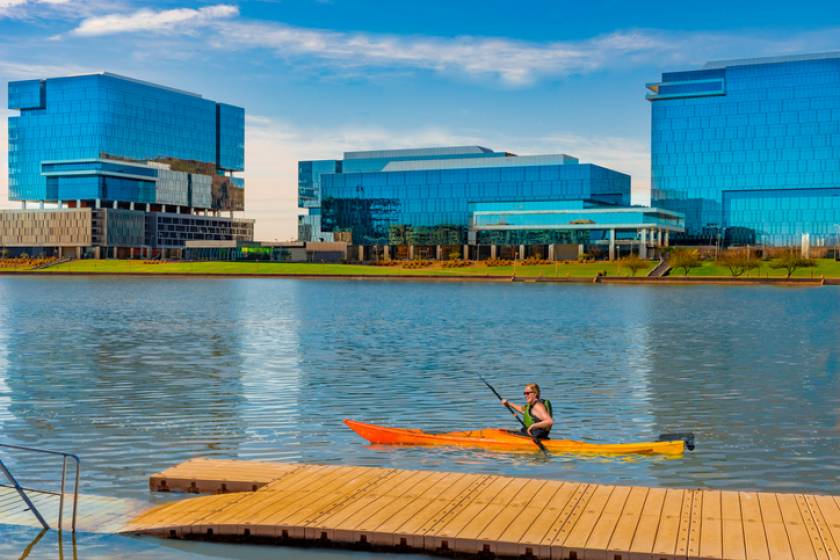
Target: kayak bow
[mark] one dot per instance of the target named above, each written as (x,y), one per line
(503,440)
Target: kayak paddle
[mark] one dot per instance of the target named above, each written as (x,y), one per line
(510,408)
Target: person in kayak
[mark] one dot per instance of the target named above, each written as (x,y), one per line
(536,414)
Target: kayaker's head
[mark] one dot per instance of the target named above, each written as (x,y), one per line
(532,392)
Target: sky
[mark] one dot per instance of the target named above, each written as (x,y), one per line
(320,77)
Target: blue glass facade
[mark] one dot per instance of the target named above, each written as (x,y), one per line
(750,146)
(575,221)
(412,196)
(102,117)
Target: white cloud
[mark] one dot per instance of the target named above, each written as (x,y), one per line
(23,71)
(175,20)
(514,62)
(25,9)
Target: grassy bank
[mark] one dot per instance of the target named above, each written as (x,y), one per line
(556,270)
(828,268)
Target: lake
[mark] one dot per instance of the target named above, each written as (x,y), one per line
(138,374)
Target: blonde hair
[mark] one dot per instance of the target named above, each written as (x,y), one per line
(535,388)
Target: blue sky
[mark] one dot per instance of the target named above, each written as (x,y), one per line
(318,77)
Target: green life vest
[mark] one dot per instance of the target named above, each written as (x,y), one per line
(528,419)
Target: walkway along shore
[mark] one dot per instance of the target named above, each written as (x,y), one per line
(485,515)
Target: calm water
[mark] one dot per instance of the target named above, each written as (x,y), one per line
(136,375)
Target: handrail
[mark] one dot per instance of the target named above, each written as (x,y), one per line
(26,499)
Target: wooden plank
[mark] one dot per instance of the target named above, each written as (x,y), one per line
(295,519)
(644,539)
(777,538)
(668,532)
(218,475)
(572,538)
(569,514)
(243,514)
(733,544)
(451,514)
(456,520)
(426,503)
(377,526)
(755,537)
(525,533)
(341,523)
(412,529)
(827,516)
(622,538)
(814,524)
(601,535)
(523,501)
(691,524)
(710,535)
(802,545)
(363,486)
(250,509)
(468,540)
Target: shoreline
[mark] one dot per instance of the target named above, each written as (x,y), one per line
(618,280)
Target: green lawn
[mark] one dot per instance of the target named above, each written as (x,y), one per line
(560,269)
(828,268)
(825,267)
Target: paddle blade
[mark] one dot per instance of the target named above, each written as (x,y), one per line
(687,437)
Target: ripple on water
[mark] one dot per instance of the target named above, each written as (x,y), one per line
(139,374)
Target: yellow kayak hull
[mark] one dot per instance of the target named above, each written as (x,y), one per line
(503,440)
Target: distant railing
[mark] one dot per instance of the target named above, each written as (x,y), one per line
(22,490)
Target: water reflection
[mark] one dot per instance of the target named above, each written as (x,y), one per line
(129,384)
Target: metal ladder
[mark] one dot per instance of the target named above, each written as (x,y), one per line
(22,491)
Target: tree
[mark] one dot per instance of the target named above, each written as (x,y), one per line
(685,259)
(633,263)
(738,261)
(790,261)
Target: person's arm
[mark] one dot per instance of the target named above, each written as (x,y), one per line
(515,407)
(541,411)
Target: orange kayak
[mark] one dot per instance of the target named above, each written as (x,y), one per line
(503,440)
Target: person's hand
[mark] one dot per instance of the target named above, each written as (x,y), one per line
(505,402)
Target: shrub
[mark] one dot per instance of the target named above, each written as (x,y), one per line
(531,261)
(633,263)
(417,264)
(498,262)
(456,263)
(738,261)
(685,259)
(790,261)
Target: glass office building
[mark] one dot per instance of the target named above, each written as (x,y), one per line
(749,150)
(104,142)
(423,196)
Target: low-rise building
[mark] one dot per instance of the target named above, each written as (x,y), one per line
(437,202)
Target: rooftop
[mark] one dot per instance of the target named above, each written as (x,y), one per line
(517,161)
(769,60)
(418,152)
(124,78)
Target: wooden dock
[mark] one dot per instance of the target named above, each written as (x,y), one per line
(479,514)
